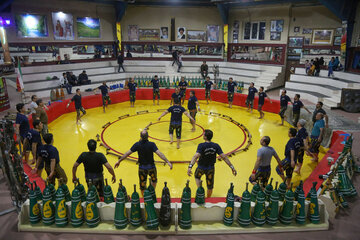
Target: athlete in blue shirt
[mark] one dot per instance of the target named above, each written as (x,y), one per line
(156,89)
(231,90)
(284,100)
(182,85)
(303,137)
(262,96)
(250,98)
(206,152)
(193,107)
(78,105)
(208,85)
(33,141)
(297,105)
(291,152)
(132,91)
(105,95)
(176,120)
(22,126)
(175,95)
(316,136)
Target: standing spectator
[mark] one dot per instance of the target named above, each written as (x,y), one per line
(42,116)
(83,78)
(93,165)
(22,126)
(297,105)
(128,54)
(331,66)
(316,137)
(120,61)
(33,106)
(175,57)
(319,109)
(180,61)
(307,66)
(204,69)
(317,66)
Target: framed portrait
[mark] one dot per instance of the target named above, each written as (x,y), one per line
(88,27)
(275,36)
(196,36)
(236,31)
(307,31)
(164,33)
(323,36)
(63,26)
(337,41)
(276,25)
(31,26)
(296,42)
(306,41)
(181,33)
(149,34)
(133,33)
(338,32)
(212,32)
(296,29)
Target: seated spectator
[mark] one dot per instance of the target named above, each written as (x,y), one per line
(83,78)
(66,59)
(128,54)
(204,69)
(64,83)
(307,66)
(72,79)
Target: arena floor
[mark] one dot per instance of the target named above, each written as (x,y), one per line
(71,139)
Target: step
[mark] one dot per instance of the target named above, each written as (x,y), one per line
(308,95)
(320,80)
(338,74)
(331,103)
(325,90)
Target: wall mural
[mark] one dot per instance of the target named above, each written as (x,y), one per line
(31,26)
(63,26)
(88,27)
(149,34)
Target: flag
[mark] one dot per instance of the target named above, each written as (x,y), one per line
(19,80)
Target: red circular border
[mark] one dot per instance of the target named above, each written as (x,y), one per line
(135,158)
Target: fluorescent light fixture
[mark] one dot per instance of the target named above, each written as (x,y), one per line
(31,22)
(7,21)
(61,15)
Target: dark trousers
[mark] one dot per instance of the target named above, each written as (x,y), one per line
(204,74)
(121,66)
(68,87)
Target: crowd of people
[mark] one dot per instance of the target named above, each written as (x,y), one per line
(39,141)
(313,67)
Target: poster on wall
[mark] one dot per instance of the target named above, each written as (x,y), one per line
(164,32)
(276,25)
(296,42)
(63,26)
(149,34)
(307,31)
(236,32)
(133,33)
(213,33)
(88,27)
(323,36)
(307,41)
(275,36)
(296,29)
(31,26)
(338,32)
(181,33)
(196,36)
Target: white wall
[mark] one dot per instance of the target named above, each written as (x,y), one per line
(105,12)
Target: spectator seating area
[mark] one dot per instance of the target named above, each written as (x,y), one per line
(322,88)
(36,78)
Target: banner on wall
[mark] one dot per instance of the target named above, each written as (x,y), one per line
(88,27)
(149,34)
(31,26)
(343,43)
(63,26)
(213,33)
(118,34)
(236,31)
(226,27)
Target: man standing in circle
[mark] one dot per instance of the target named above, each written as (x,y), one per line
(297,105)
(182,85)
(284,100)
(22,126)
(156,89)
(146,162)
(231,90)
(176,120)
(78,106)
(262,168)
(206,165)
(93,165)
(132,91)
(319,109)
(250,98)
(303,138)
(105,95)
(317,135)
(291,153)
(262,96)
(208,85)
(192,104)
(175,95)
(33,141)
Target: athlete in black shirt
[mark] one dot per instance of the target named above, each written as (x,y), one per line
(146,162)
(206,165)
(78,106)
(93,165)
